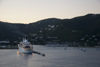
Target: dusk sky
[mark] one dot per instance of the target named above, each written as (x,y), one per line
(27,11)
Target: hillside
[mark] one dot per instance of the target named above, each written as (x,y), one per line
(79,29)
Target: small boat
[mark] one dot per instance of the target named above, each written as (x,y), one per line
(25,47)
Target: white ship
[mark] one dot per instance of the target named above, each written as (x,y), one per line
(25,47)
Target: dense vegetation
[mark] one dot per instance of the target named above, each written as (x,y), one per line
(82,29)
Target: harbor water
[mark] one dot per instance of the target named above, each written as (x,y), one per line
(54,57)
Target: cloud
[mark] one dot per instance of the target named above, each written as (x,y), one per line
(98,0)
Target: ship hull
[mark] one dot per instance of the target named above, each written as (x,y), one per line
(25,51)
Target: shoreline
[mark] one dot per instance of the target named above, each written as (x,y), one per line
(50,46)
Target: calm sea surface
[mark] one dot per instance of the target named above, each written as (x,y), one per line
(55,57)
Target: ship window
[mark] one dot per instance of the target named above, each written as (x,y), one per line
(27,47)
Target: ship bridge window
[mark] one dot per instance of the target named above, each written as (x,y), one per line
(27,47)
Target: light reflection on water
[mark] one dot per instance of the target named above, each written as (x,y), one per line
(55,57)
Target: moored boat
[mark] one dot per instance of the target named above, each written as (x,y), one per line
(25,47)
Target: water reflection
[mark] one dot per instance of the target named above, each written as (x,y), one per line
(23,59)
